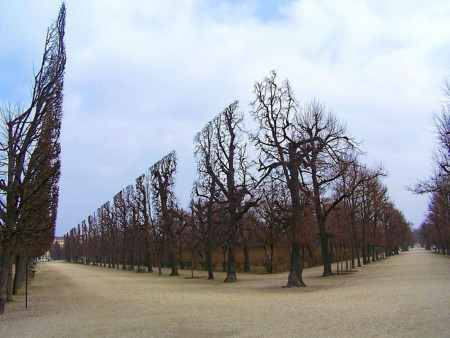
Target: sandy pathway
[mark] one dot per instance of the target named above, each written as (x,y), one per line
(406,295)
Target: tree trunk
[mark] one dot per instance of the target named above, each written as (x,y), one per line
(192,264)
(9,284)
(173,264)
(336,249)
(272,252)
(149,261)
(224,261)
(159,261)
(352,255)
(5,262)
(209,266)
(19,274)
(358,258)
(124,263)
(269,256)
(181,255)
(326,257)
(295,273)
(231,273)
(132,258)
(246,258)
(363,244)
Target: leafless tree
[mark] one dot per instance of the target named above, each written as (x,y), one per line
(205,192)
(143,203)
(360,204)
(164,204)
(326,154)
(441,155)
(29,151)
(277,139)
(229,174)
(272,218)
(435,228)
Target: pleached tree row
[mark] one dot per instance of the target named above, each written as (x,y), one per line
(434,232)
(30,167)
(134,230)
(304,194)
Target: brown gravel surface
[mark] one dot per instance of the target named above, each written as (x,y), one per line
(406,295)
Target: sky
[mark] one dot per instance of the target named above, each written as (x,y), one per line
(143,77)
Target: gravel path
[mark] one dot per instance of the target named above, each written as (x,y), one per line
(406,295)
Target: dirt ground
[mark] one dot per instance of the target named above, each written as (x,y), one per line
(403,296)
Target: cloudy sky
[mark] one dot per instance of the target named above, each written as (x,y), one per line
(143,77)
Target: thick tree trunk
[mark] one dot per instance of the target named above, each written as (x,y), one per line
(173,264)
(326,258)
(209,265)
(231,273)
(5,262)
(295,278)
(9,283)
(19,274)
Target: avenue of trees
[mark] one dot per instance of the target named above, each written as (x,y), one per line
(304,197)
(290,193)
(30,167)
(434,232)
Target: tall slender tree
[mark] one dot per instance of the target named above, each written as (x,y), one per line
(205,192)
(163,181)
(29,153)
(230,175)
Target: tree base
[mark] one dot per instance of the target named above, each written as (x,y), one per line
(295,284)
(295,280)
(231,277)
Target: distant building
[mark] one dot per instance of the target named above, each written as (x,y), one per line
(60,241)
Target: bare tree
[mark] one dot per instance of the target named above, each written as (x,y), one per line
(326,155)
(441,155)
(277,139)
(143,203)
(360,204)
(205,192)
(230,175)
(435,228)
(272,218)
(162,178)
(27,133)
